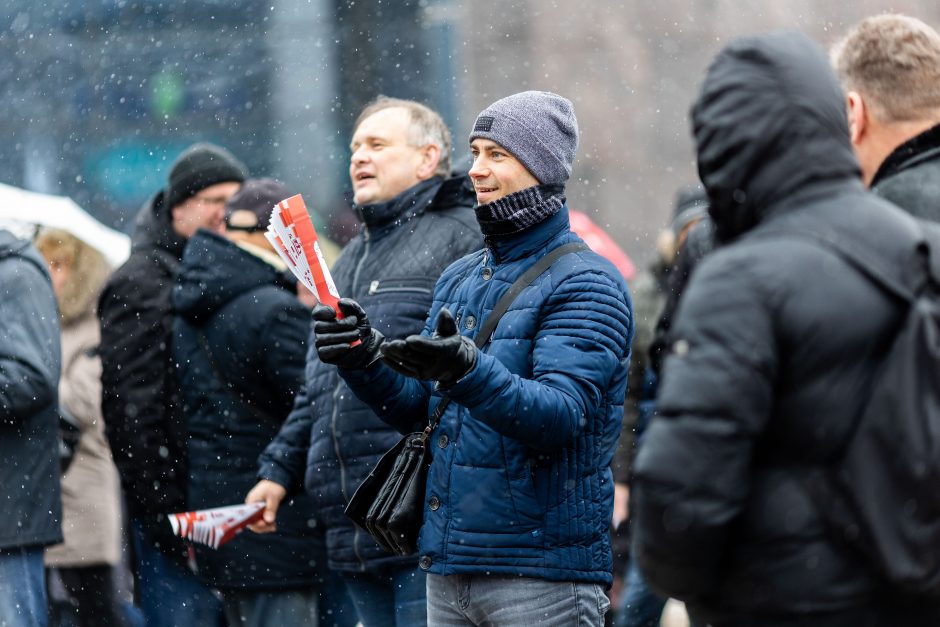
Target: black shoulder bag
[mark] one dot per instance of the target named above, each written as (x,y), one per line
(389,504)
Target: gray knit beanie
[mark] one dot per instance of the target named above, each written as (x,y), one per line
(538,128)
(200,166)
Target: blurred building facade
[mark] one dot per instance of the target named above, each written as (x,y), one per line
(99,96)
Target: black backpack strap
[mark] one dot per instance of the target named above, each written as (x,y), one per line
(502,306)
(931,248)
(867,268)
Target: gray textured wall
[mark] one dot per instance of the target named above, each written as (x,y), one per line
(632,69)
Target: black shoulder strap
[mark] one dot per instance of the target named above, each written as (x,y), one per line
(928,248)
(502,306)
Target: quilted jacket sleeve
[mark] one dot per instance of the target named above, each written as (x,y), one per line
(691,478)
(583,336)
(400,401)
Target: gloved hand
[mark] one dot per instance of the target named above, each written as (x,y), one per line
(334,337)
(445,357)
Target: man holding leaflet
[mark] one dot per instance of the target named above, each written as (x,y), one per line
(415,221)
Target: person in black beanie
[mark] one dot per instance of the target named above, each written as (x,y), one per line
(519,492)
(201,180)
(140,400)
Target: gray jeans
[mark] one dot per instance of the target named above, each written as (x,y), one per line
(272,609)
(500,601)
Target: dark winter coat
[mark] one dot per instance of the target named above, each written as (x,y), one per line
(331,436)
(240,338)
(910,176)
(139,393)
(30,360)
(520,482)
(774,345)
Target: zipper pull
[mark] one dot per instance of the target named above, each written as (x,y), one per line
(373,287)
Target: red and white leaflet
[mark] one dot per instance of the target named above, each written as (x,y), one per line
(294,235)
(278,245)
(291,224)
(289,244)
(294,215)
(214,527)
(307,235)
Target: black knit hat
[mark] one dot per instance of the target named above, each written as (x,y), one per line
(198,167)
(250,208)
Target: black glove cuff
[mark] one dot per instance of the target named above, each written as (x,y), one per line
(364,355)
(467,356)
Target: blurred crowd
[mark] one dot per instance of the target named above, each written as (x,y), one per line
(729,427)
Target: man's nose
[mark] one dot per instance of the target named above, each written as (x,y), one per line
(359,155)
(478,169)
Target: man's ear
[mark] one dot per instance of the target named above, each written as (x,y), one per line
(430,158)
(858,116)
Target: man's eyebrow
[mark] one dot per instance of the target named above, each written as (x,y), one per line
(368,138)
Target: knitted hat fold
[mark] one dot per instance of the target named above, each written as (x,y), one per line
(538,127)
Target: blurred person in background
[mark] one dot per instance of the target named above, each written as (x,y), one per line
(889,67)
(240,340)
(415,220)
(140,395)
(770,359)
(655,295)
(30,362)
(91,497)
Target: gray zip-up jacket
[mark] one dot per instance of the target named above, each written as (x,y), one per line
(30,361)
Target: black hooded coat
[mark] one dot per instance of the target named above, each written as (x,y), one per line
(240,341)
(775,343)
(139,401)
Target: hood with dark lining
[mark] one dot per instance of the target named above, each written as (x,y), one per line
(215,271)
(770,120)
(153,228)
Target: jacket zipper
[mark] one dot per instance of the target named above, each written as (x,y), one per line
(375,288)
(342,472)
(336,393)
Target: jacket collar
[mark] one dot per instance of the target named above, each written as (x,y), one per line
(918,148)
(401,208)
(153,228)
(214,271)
(505,248)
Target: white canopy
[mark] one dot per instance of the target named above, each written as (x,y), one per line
(61,212)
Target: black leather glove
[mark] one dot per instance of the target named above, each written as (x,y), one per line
(334,337)
(445,357)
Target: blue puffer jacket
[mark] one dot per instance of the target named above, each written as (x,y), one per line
(239,346)
(332,440)
(520,482)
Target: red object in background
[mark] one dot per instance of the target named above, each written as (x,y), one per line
(601,243)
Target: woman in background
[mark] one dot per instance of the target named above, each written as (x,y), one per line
(90,489)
